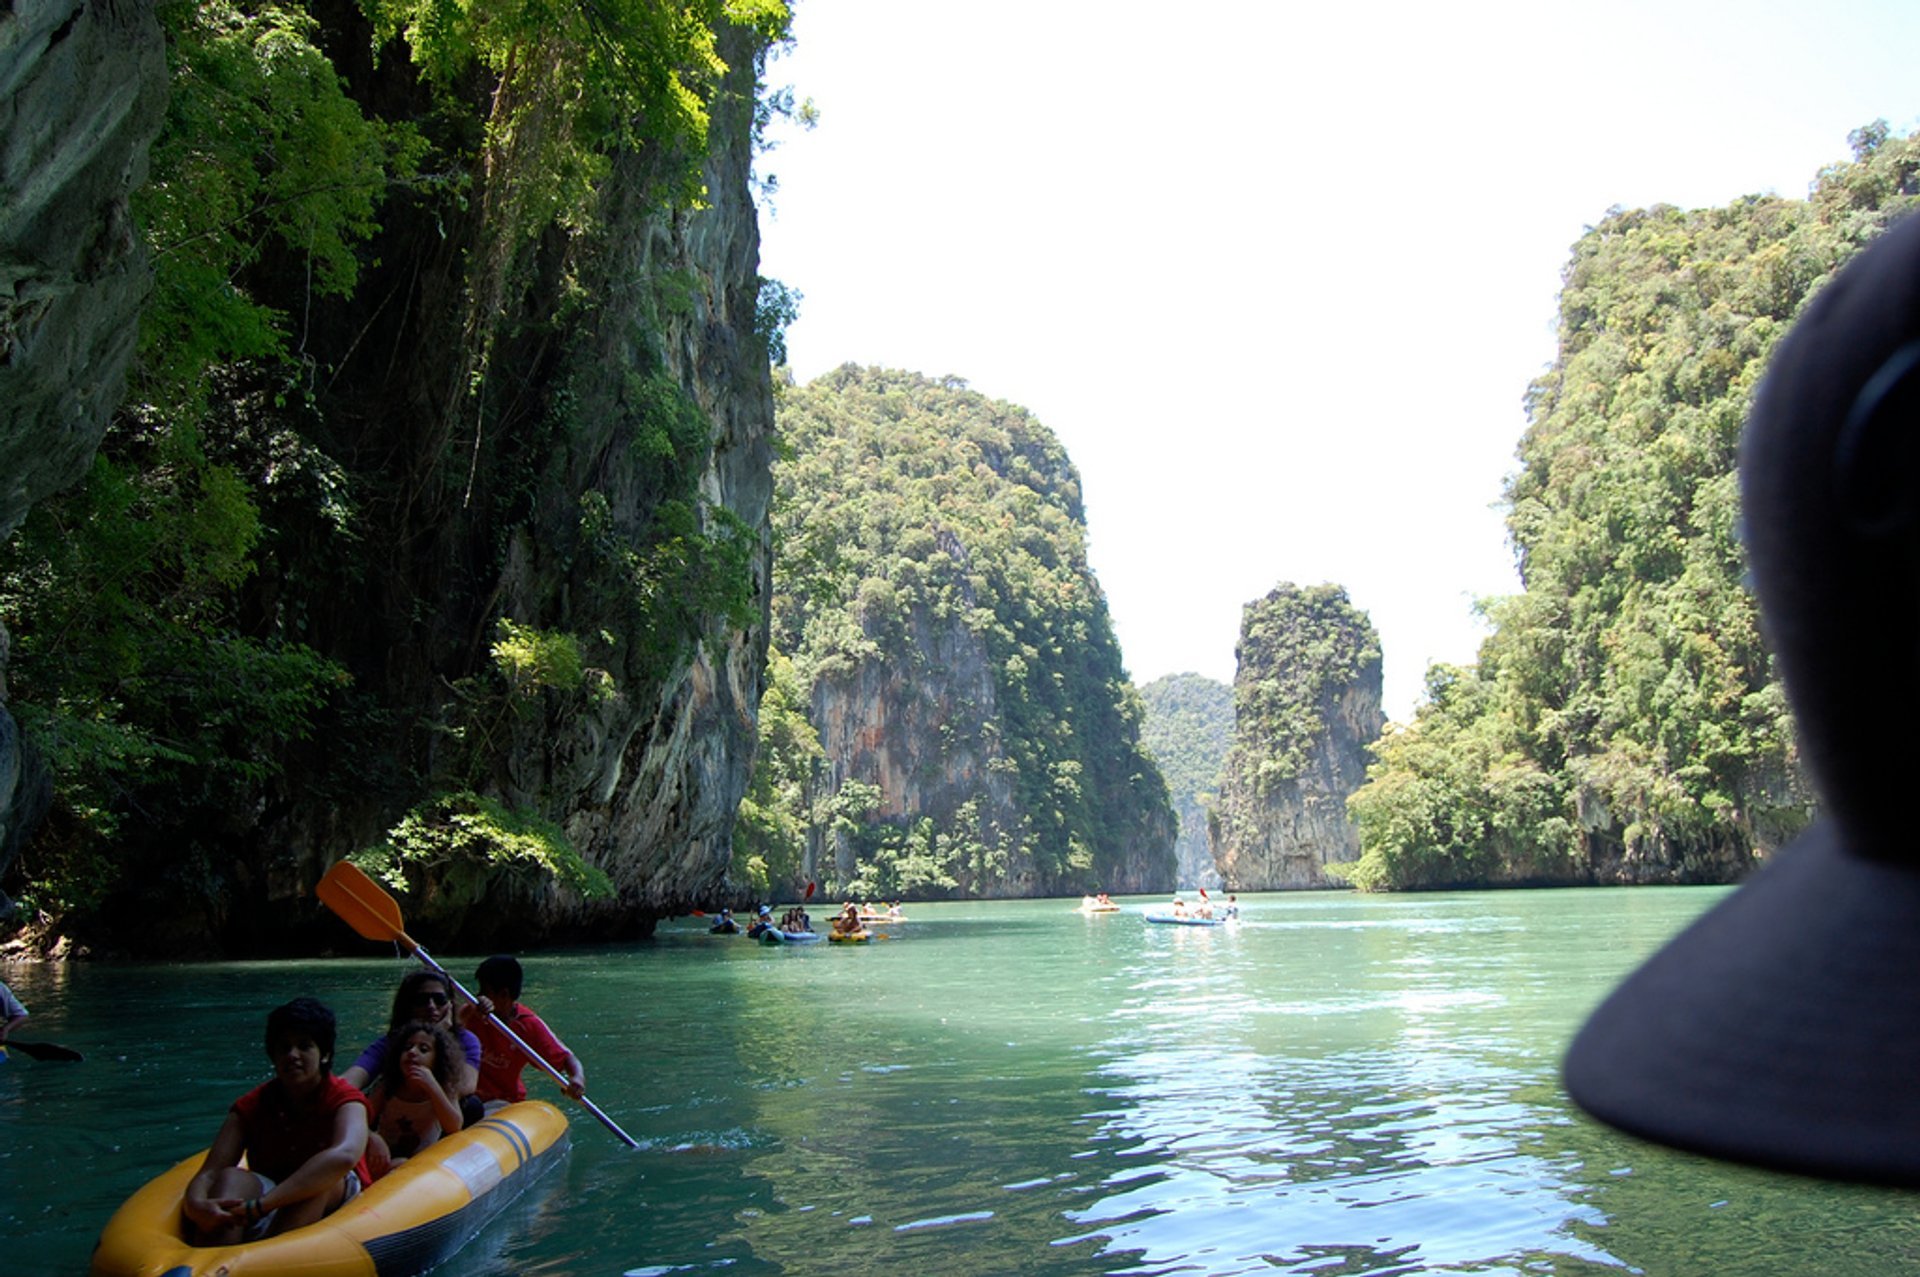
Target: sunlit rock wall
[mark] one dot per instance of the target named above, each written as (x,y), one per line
(1306,661)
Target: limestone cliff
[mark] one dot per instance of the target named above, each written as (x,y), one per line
(1306,706)
(572,528)
(556,430)
(81,93)
(978,733)
(82,88)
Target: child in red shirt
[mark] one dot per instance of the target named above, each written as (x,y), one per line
(500,979)
(304,1135)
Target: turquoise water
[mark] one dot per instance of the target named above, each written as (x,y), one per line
(1339,1085)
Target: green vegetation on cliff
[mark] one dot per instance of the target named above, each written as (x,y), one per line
(1622,722)
(1300,648)
(1188,730)
(931,543)
(269,615)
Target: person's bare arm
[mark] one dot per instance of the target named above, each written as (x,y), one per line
(327,1167)
(206,1211)
(446,1109)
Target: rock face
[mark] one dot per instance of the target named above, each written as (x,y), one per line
(979,735)
(608,481)
(643,766)
(923,730)
(1307,705)
(82,92)
(647,785)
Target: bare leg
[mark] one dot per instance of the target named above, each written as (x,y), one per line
(310,1211)
(379,1157)
(235,1183)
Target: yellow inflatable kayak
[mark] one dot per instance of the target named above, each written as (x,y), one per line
(406,1223)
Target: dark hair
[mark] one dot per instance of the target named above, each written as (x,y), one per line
(393,1071)
(501,971)
(302,1015)
(408,994)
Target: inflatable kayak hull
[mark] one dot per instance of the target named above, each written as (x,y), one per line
(776,936)
(1157,916)
(858,937)
(409,1222)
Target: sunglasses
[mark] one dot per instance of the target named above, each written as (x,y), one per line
(432,999)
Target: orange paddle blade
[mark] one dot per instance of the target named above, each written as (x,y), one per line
(362,904)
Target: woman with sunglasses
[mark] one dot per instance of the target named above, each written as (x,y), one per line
(424,995)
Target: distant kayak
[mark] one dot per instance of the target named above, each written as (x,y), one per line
(850,937)
(773,935)
(1180,920)
(1097,909)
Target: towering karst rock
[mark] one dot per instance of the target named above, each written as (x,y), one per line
(1306,706)
(979,735)
(511,479)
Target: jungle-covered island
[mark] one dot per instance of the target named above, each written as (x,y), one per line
(1188,729)
(973,729)
(396,468)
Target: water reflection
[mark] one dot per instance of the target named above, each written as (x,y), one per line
(1338,1085)
(1350,1104)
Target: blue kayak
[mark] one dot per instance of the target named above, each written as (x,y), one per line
(773,935)
(1180,920)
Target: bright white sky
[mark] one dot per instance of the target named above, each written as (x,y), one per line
(1278,274)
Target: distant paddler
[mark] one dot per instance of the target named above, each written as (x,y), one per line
(846,924)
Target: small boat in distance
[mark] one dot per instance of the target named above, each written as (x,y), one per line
(1097,904)
(1166,915)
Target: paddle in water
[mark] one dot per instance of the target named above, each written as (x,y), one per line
(366,907)
(42,1050)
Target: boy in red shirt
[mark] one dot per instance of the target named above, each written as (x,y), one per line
(500,980)
(304,1134)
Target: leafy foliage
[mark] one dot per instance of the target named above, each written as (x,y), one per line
(262,151)
(127,671)
(775,310)
(770,830)
(459,843)
(1622,721)
(1298,648)
(1188,729)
